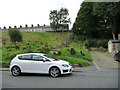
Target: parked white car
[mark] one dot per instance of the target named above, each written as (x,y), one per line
(39,63)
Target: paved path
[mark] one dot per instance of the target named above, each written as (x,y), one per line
(104,59)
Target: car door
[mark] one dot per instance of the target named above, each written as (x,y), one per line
(25,63)
(39,65)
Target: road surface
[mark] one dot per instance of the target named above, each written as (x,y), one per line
(88,77)
(107,78)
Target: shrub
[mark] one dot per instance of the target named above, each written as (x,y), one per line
(72,51)
(104,43)
(90,43)
(15,35)
(96,43)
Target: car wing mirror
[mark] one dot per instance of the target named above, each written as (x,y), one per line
(44,60)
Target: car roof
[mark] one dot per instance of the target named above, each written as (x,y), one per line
(32,54)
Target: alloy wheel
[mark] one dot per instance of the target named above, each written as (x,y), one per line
(54,72)
(16,71)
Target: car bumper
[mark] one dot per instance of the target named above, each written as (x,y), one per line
(67,70)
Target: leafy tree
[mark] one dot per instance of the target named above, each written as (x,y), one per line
(98,20)
(59,19)
(109,12)
(15,35)
(85,23)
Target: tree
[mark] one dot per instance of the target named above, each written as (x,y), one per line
(109,12)
(86,23)
(98,19)
(59,19)
(15,35)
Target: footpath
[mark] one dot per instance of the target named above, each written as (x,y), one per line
(104,59)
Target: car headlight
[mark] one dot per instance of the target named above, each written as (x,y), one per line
(65,65)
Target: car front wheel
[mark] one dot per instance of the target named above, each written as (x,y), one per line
(16,71)
(54,72)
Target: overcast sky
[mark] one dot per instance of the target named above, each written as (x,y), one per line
(21,12)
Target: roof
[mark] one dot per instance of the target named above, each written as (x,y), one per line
(32,54)
(115,41)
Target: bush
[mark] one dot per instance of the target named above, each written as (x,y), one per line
(90,43)
(96,43)
(72,51)
(104,43)
(15,35)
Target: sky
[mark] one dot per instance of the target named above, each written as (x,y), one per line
(21,12)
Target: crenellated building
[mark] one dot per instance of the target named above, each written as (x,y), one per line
(32,28)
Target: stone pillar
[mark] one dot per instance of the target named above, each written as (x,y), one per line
(110,46)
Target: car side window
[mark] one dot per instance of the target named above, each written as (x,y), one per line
(37,58)
(25,57)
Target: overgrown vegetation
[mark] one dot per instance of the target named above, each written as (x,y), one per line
(96,43)
(43,42)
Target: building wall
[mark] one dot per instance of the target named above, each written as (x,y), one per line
(119,36)
(36,29)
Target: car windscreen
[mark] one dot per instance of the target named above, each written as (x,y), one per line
(50,57)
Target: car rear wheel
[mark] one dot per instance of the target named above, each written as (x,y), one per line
(16,71)
(54,72)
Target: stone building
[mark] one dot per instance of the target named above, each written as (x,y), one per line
(36,29)
(114,45)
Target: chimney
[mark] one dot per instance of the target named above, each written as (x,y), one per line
(38,25)
(15,26)
(4,27)
(9,27)
(20,26)
(32,25)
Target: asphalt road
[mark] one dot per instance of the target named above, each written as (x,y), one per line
(104,74)
(105,78)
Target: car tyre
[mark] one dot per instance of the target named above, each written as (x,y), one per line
(54,72)
(15,71)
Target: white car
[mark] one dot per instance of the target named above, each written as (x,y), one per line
(39,63)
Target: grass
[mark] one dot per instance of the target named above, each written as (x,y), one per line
(42,42)
(78,46)
(73,60)
(52,39)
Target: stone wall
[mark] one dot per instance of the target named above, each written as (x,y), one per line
(119,36)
